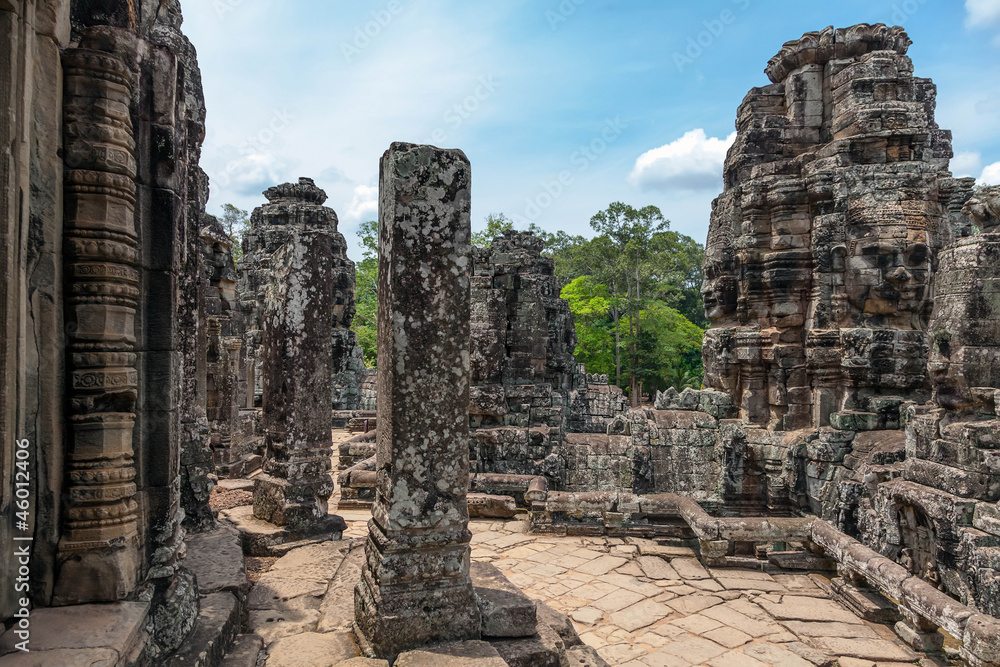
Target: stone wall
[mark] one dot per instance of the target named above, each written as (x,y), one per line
(33,327)
(523,370)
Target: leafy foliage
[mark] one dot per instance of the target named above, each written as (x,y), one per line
(234,221)
(668,345)
(496,224)
(652,303)
(365,323)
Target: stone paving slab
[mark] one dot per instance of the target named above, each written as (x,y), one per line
(463,654)
(312,649)
(638,604)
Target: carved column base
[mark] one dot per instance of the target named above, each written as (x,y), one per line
(301,507)
(89,574)
(425,595)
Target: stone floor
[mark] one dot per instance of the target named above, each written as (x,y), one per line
(638,603)
(642,605)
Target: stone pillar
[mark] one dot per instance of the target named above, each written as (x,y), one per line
(297,376)
(415,588)
(98,553)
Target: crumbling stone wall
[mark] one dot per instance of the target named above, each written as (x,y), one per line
(225,383)
(523,369)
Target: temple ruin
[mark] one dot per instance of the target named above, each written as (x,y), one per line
(832,493)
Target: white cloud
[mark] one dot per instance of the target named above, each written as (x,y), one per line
(991,175)
(693,162)
(245,175)
(966,164)
(982,13)
(365,202)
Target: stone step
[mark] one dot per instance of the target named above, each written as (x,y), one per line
(866,603)
(245,652)
(213,634)
(506,611)
(216,559)
(88,634)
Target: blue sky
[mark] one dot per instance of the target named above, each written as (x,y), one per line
(562,106)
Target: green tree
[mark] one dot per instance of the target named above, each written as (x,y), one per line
(669,350)
(590,303)
(668,344)
(365,323)
(496,224)
(676,265)
(235,220)
(645,268)
(631,232)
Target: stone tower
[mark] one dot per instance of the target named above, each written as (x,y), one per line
(271,226)
(821,248)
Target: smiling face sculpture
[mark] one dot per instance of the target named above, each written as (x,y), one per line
(886,281)
(965,351)
(719,288)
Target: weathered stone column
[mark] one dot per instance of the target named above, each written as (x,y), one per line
(298,372)
(415,588)
(99,551)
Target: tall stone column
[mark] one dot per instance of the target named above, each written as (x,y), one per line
(298,317)
(415,588)
(98,553)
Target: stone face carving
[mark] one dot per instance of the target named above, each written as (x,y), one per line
(416,588)
(941,517)
(964,355)
(270,227)
(837,200)
(300,309)
(98,552)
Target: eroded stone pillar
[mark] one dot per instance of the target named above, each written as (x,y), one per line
(416,588)
(298,372)
(98,553)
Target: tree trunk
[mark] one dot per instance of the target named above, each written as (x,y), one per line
(618,346)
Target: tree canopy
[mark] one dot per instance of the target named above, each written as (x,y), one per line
(234,221)
(645,278)
(365,323)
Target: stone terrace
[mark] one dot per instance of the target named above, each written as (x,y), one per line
(638,603)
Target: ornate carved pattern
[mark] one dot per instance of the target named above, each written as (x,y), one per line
(99,522)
